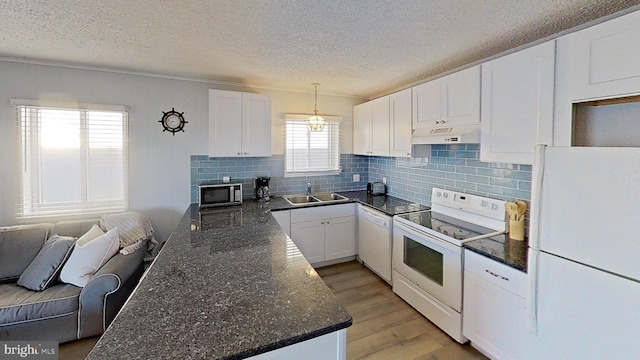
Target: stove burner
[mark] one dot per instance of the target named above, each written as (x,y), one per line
(454,232)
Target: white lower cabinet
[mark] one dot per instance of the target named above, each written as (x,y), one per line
(309,238)
(330,346)
(495,316)
(324,233)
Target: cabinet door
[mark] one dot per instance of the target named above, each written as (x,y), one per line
(400,123)
(225,123)
(460,99)
(603,60)
(599,62)
(380,126)
(362,129)
(309,238)
(517,104)
(494,319)
(256,123)
(340,237)
(426,104)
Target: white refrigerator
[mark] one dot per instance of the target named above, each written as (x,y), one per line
(584,256)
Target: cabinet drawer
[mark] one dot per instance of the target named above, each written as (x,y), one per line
(508,278)
(322,212)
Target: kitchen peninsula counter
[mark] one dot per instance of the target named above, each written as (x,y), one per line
(228,284)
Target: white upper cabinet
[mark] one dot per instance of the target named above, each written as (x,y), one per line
(599,62)
(400,120)
(371,127)
(362,129)
(517,104)
(239,124)
(602,61)
(450,100)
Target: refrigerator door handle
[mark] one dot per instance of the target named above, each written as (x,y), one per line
(536,196)
(533,290)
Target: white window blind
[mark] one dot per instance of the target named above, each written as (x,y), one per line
(311,153)
(74,161)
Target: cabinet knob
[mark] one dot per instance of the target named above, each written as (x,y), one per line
(246,153)
(321,222)
(440,122)
(239,153)
(408,154)
(328,222)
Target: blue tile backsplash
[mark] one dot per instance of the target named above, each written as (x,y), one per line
(454,167)
(243,170)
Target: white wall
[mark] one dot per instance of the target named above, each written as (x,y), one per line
(159,163)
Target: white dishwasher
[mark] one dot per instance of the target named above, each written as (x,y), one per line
(374,240)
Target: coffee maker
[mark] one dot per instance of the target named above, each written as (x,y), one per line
(261,188)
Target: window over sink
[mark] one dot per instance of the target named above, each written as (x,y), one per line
(311,153)
(73,158)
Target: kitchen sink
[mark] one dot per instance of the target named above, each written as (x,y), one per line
(315,198)
(300,199)
(330,197)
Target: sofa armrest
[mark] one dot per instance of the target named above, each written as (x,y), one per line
(92,317)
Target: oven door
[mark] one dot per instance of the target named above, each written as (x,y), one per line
(432,264)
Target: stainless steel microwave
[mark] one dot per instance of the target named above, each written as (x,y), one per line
(222,194)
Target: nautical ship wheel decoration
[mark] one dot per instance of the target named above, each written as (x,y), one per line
(173,121)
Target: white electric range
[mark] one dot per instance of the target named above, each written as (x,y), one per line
(427,253)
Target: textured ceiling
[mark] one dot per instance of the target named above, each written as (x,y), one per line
(352,47)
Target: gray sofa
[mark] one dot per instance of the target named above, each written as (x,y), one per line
(61,312)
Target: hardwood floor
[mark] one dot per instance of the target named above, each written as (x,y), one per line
(384,326)
(77,350)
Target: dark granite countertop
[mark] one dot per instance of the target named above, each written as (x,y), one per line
(503,249)
(389,205)
(228,284)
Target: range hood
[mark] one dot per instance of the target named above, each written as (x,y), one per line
(450,134)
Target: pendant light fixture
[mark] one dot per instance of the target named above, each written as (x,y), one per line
(315,122)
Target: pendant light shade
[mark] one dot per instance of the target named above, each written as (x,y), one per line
(315,122)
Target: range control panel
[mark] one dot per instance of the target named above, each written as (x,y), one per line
(474,204)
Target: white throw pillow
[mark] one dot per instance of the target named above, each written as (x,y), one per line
(93,233)
(89,254)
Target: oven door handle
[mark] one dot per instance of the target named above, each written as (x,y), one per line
(424,238)
(482,236)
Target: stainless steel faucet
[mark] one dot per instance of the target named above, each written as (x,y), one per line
(308,189)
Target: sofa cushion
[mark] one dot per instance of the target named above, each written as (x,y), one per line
(75,228)
(19,245)
(47,264)
(88,256)
(18,304)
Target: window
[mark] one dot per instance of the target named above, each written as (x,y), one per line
(311,153)
(74,160)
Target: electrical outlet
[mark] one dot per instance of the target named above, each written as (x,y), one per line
(225,179)
(356,177)
(384,180)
